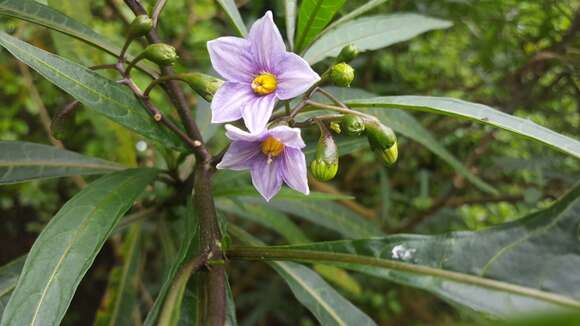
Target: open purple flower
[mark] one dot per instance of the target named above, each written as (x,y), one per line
(258,72)
(273,156)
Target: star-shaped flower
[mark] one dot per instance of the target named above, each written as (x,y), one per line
(273,156)
(258,71)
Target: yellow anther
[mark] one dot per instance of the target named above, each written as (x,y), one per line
(272,147)
(265,83)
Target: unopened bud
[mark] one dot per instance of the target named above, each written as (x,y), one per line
(160,53)
(204,85)
(341,74)
(140,26)
(352,125)
(347,54)
(325,165)
(383,141)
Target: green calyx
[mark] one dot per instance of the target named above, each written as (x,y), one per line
(160,53)
(347,54)
(383,141)
(204,85)
(325,165)
(341,74)
(352,125)
(140,26)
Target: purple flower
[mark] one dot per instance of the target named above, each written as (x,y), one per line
(258,72)
(272,156)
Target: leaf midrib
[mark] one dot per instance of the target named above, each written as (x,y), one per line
(42,163)
(308,25)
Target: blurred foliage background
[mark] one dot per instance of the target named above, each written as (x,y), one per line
(522,57)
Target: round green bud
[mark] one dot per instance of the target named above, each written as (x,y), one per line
(347,54)
(325,164)
(341,74)
(352,125)
(204,85)
(380,136)
(160,53)
(140,26)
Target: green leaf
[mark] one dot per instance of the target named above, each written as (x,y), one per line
(476,112)
(313,17)
(68,245)
(93,90)
(372,33)
(352,15)
(231,319)
(233,13)
(40,14)
(188,247)
(290,7)
(405,124)
(327,214)
(8,278)
(532,258)
(23,161)
(327,305)
(121,294)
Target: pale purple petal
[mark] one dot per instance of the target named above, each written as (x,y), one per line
(288,136)
(266,42)
(294,76)
(239,155)
(231,58)
(234,133)
(257,112)
(266,177)
(229,100)
(293,170)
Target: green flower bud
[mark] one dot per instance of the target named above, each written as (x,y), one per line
(140,26)
(335,126)
(325,165)
(341,74)
(389,155)
(347,54)
(352,125)
(204,85)
(383,141)
(160,53)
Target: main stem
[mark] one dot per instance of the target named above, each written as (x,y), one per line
(202,197)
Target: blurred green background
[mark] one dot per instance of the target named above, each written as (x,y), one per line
(522,57)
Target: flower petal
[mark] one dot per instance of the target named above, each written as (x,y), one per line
(229,100)
(294,170)
(231,58)
(294,76)
(239,156)
(288,136)
(266,42)
(234,133)
(257,112)
(266,177)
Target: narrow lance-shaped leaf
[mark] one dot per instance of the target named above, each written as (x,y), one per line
(8,278)
(23,161)
(40,14)
(68,245)
(93,90)
(290,6)
(352,15)
(476,112)
(329,307)
(314,15)
(533,254)
(372,33)
(234,14)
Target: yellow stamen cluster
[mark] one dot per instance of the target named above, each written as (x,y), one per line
(272,147)
(264,84)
